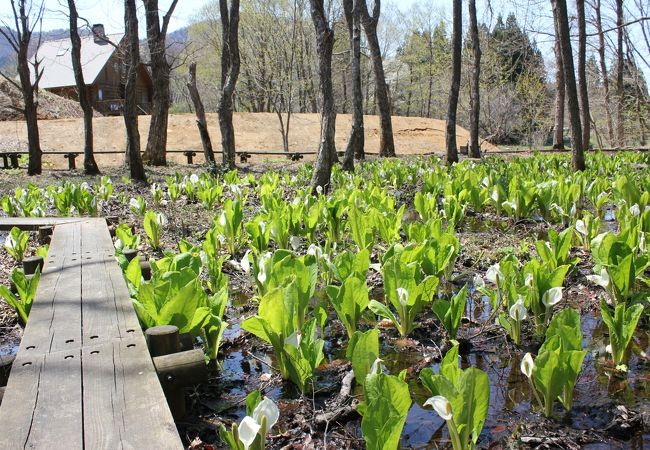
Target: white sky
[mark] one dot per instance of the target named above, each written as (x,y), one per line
(533,15)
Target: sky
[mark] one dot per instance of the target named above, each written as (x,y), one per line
(111,14)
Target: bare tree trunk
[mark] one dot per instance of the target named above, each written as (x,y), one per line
(229,72)
(582,75)
(560,12)
(201,122)
(320,180)
(132,60)
(456,38)
(156,151)
(603,72)
(26,17)
(386,143)
(90,166)
(356,140)
(475,98)
(620,121)
(560,90)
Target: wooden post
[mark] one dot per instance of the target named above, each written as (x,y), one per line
(130,253)
(45,234)
(145,268)
(2,394)
(164,340)
(5,367)
(181,369)
(190,155)
(31,264)
(72,160)
(5,161)
(14,160)
(187,341)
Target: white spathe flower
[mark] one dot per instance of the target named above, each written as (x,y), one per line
(134,203)
(161,219)
(573,210)
(293,339)
(485,181)
(194,178)
(222,219)
(266,408)
(440,405)
(552,297)
(581,228)
(493,273)
(479,283)
(527,365)
(608,348)
(510,204)
(295,242)
(315,250)
(529,280)
(245,263)
(261,273)
(402,296)
(635,210)
(495,194)
(248,429)
(518,310)
(600,280)
(262,226)
(376,366)
(319,189)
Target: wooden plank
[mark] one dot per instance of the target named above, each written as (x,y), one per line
(19,401)
(33,223)
(55,319)
(124,405)
(84,377)
(42,403)
(56,421)
(107,312)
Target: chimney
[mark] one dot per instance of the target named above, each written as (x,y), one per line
(98,33)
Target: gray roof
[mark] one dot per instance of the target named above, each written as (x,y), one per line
(57,63)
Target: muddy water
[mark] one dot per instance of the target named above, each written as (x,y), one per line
(598,391)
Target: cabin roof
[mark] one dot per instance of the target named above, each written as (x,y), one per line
(56,62)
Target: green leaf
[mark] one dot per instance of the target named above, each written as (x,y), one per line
(180,309)
(362,351)
(386,405)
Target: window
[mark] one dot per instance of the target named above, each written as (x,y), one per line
(100,95)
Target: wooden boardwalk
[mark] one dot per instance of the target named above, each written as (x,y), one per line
(83,377)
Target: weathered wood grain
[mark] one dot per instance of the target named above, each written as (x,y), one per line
(83,377)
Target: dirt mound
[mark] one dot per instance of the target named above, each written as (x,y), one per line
(253,132)
(50,106)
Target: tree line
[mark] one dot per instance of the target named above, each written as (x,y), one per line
(352,56)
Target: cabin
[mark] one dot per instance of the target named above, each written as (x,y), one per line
(103,69)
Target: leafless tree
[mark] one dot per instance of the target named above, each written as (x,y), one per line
(201,122)
(585,115)
(369,22)
(475,99)
(320,181)
(156,151)
(132,61)
(560,91)
(620,119)
(357,138)
(90,166)
(603,70)
(27,16)
(230,64)
(456,40)
(560,14)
